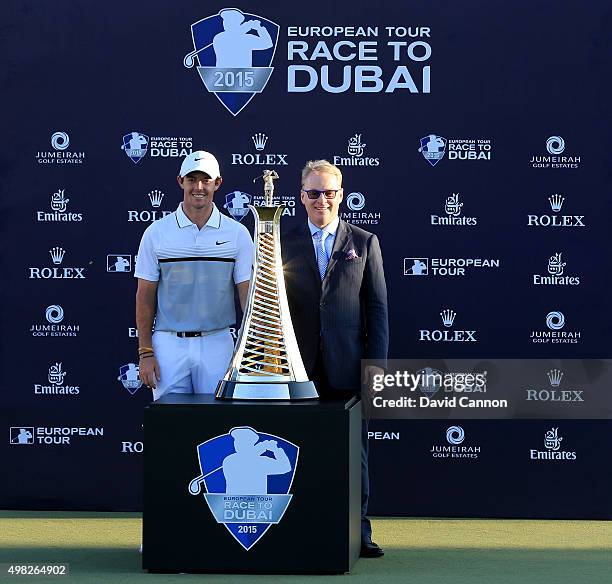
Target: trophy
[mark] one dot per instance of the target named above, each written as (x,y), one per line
(267,364)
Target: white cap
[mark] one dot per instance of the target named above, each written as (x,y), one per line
(200,161)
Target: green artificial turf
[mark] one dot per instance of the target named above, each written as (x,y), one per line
(103,547)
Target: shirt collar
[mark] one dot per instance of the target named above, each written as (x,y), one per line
(330,229)
(213,221)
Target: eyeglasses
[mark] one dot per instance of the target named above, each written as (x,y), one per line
(315,193)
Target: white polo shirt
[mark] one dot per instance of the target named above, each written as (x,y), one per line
(196,269)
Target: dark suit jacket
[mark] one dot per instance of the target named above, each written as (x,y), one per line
(346,313)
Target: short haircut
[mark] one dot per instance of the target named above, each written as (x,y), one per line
(321,166)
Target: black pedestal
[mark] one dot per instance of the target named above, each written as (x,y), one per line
(300,459)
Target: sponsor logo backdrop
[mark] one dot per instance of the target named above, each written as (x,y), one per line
(480,161)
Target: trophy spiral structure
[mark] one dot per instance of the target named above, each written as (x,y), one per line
(267,364)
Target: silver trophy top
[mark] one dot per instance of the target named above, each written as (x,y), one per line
(268,178)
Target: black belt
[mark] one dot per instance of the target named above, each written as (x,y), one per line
(186,334)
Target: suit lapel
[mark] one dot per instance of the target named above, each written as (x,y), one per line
(306,243)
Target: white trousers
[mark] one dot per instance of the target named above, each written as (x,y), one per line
(193,364)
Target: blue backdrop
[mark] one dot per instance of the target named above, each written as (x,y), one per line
(473,138)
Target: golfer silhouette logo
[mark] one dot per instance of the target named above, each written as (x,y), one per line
(246,471)
(135,146)
(237,203)
(22,436)
(234,50)
(433,148)
(247,476)
(234,46)
(418,268)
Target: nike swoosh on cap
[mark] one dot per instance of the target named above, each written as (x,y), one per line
(221,242)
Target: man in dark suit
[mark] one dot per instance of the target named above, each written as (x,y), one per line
(338,301)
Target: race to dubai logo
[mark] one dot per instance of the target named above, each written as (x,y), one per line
(432,148)
(234,50)
(129,375)
(237,204)
(247,476)
(135,146)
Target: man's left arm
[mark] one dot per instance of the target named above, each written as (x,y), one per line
(243,290)
(375,298)
(243,266)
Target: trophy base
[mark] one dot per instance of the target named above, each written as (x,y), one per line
(247,390)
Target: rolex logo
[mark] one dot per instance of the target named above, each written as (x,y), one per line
(156,196)
(446,336)
(448,317)
(57,255)
(556,202)
(555,265)
(555,376)
(56,375)
(259,140)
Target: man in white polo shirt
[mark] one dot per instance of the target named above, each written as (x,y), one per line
(188,264)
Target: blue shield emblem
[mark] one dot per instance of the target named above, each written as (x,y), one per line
(129,375)
(433,148)
(247,476)
(135,145)
(237,204)
(234,51)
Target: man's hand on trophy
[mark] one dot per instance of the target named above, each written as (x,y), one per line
(149,371)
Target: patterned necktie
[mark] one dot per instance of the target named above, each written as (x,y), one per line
(322,260)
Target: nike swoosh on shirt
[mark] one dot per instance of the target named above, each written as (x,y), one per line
(221,242)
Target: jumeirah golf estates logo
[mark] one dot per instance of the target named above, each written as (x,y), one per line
(234,51)
(247,476)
